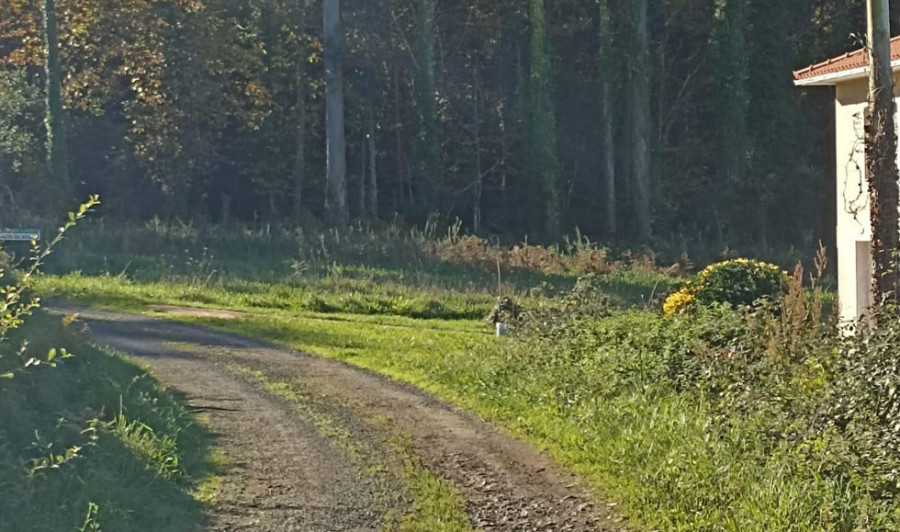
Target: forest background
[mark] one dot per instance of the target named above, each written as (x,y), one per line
(635,121)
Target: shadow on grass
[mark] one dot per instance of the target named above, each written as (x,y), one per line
(142,473)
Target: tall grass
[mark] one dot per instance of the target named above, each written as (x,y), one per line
(361,270)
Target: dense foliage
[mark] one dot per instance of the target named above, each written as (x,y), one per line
(722,419)
(738,282)
(490,111)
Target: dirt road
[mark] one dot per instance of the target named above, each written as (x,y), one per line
(316,445)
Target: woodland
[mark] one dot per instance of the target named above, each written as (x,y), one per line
(632,121)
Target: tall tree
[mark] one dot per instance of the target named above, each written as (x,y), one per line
(428,142)
(336,208)
(57,150)
(479,172)
(542,120)
(299,171)
(731,70)
(639,95)
(881,154)
(301,82)
(606,62)
(373,167)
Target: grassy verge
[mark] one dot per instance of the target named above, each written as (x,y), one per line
(96,443)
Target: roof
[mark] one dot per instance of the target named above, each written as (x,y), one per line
(851,65)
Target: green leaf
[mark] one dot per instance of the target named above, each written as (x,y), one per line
(51,355)
(7,375)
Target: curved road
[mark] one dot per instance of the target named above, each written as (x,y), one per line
(317,445)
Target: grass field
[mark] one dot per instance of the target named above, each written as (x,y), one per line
(708,422)
(596,406)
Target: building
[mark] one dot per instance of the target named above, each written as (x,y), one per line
(848,74)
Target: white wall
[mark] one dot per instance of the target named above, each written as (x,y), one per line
(854,232)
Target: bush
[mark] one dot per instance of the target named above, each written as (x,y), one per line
(739,282)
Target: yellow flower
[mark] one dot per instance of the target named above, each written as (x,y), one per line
(678,302)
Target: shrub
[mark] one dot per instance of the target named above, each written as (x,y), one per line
(738,282)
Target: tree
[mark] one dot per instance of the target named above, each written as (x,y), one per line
(639,94)
(428,142)
(542,120)
(301,82)
(606,62)
(881,155)
(731,104)
(57,150)
(336,208)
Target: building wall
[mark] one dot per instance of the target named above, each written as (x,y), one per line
(854,232)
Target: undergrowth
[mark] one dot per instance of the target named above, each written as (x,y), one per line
(98,432)
(88,441)
(389,271)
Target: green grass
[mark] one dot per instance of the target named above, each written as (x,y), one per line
(96,432)
(596,401)
(593,393)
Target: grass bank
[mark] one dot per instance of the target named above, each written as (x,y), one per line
(94,442)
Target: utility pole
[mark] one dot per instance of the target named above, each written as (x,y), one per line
(881,155)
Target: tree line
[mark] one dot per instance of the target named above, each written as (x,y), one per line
(628,119)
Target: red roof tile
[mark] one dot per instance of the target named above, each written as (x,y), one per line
(842,63)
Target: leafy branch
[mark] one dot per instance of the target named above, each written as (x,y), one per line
(15,302)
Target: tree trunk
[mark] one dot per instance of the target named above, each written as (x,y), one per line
(336,209)
(479,175)
(429,151)
(542,122)
(361,200)
(406,194)
(639,99)
(299,173)
(731,72)
(57,150)
(881,155)
(607,144)
(373,171)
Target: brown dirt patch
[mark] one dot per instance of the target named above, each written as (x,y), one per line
(194,312)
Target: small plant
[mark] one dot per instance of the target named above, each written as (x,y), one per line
(18,303)
(588,298)
(737,282)
(506,311)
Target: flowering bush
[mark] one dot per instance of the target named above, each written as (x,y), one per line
(734,282)
(678,302)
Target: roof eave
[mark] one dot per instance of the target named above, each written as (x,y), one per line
(833,78)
